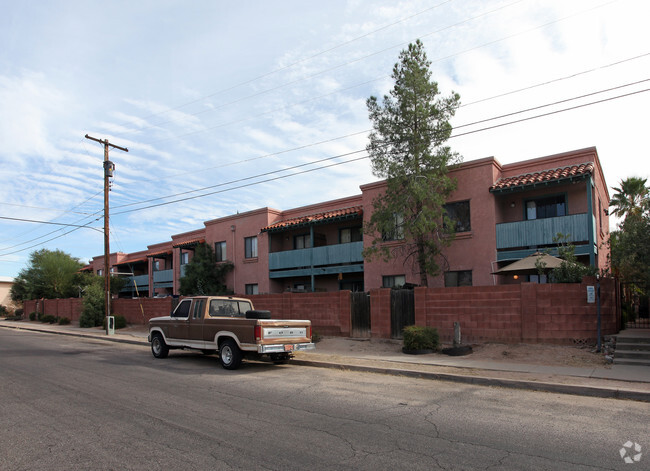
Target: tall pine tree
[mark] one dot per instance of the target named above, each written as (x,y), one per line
(407,148)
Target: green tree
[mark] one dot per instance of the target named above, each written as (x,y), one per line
(407,149)
(629,249)
(631,197)
(203,275)
(49,274)
(570,270)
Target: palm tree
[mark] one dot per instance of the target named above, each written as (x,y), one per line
(631,197)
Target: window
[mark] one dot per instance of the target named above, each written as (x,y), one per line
(100,272)
(252,289)
(396,231)
(197,312)
(393,281)
(156,265)
(302,241)
(549,207)
(459,214)
(185,258)
(350,234)
(250,247)
(228,308)
(220,251)
(183,309)
(458,278)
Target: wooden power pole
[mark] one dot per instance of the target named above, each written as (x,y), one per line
(108,172)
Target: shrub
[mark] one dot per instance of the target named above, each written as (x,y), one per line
(40,316)
(19,312)
(120,322)
(48,319)
(92,314)
(3,310)
(32,316)
(64,321)
(421,338)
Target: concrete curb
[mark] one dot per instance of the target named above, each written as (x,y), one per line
(88,335)
(576,390)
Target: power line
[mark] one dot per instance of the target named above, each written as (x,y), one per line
(336,164)
(53,223)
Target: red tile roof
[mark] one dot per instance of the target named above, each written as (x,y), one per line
(156,254)
(544,176)
(132,260)
(346,213)
(189,243)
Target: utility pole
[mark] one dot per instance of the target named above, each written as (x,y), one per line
(108,172)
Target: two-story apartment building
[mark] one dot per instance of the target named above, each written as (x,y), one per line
(503,213)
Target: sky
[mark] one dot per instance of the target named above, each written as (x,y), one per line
(227,107)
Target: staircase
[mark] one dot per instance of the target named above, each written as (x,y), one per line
(633,348)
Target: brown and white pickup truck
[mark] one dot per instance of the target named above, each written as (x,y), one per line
(230,326)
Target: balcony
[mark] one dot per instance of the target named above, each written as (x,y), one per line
(340,258)
(142,282)
(540,232)
(163,278)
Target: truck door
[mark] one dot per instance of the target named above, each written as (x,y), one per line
(179,324)
(196,321)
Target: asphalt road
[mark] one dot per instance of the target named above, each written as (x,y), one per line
(71,403)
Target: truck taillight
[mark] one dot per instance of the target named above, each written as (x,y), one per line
(258,332)
(309,332)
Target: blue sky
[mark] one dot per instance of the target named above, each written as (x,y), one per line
(207,93)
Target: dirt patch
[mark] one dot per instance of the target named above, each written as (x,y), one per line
(532,354)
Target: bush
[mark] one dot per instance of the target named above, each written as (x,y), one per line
(421,338)
(19,312)
(120,322)
(32,316)
(64,321)
(92,314)
(40,316)
(48,319)
(3,310)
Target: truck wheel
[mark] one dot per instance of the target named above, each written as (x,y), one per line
(158,346)
(230,354)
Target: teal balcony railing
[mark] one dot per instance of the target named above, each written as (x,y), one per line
(330,255)
(163,276)
(539,232)
(142,281)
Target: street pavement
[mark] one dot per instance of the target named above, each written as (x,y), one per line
(615,381)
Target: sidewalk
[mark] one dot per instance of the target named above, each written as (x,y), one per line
(615,381)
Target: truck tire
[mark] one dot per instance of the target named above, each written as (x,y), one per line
(158,346)
(230,354)
(258,314)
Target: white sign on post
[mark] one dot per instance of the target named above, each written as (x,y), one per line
(591,294)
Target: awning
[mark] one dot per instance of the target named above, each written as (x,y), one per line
(354,212)
(133,260)
(545,177)
(188,243)
(159,254)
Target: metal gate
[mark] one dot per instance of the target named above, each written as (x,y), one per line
(359,314)
(402,311)
(636,307)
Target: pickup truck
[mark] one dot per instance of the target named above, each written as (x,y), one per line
(230,326)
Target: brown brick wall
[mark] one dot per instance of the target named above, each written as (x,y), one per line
(527,312)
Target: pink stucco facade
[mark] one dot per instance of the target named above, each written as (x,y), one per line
(318,247)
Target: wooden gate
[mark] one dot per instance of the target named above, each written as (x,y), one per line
(359,314)
(402,311)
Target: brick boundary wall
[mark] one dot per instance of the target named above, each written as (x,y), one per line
(526,312)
